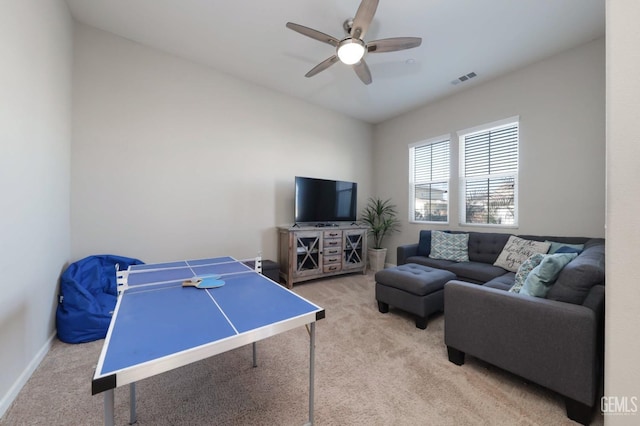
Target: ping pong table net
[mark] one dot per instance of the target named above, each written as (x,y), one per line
(122,275)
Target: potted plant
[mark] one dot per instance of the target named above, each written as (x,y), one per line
(380,216)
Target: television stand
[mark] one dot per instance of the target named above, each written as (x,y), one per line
(307,253)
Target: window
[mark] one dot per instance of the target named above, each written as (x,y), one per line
(489,174)
(429,181)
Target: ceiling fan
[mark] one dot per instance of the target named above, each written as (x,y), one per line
(351,49)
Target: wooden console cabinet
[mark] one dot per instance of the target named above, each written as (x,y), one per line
(306,253)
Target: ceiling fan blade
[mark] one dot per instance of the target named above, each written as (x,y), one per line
(363,18)
(393,44)
(322,66)
(363,72)
(314,34)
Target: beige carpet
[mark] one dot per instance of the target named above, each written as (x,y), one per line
(371,369)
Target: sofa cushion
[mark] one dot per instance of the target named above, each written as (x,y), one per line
(476,272)
(503,282)
(564,240)
(524,270)
(517,250)
(433,263)
(577,278)
(424,243)
(486,246)
(542,277)
(449,246)
(591,242)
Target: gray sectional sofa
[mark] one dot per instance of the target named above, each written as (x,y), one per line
(556,342)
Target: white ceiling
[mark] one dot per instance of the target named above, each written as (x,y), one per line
(248,39)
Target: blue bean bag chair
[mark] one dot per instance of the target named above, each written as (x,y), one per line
(88,297)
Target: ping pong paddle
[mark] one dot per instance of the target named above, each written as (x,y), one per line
(209,281)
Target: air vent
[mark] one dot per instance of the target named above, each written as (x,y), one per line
(464,78)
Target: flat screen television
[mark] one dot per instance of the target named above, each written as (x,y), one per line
(324,201)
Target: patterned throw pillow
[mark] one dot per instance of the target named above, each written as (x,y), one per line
(449,246)
(517,250)
(545,274)
(524,270)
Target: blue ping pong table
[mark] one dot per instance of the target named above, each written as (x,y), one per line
(159,325)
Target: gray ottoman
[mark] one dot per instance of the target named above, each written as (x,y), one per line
(413,288)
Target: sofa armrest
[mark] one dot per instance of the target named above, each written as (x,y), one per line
(548,342)
(403,252)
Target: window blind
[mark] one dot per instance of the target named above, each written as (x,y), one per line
(430,182)
(490,170)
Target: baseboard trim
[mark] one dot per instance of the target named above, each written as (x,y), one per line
(15,389)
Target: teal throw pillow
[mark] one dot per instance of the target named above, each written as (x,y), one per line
(555,246)
(449,246)
(545,274)
(524,270)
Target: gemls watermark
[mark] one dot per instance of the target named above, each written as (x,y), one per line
(619,405)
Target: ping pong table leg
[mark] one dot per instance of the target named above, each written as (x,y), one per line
(108,408)
(255,358)
(132,403)
(312,352)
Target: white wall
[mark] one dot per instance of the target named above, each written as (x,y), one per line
(560,102)
(622,369)
(174,160)
(35,123)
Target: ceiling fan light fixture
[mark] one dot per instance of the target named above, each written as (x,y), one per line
(351,50)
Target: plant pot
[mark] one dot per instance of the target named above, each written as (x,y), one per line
(377,258)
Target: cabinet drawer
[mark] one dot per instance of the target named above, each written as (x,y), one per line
(328,243)
(331,259)
(332,268)
(332,251)
(332,234)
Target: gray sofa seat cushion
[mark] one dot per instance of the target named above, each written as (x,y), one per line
(476,272)
(503,282)
(433,263)
(577,278)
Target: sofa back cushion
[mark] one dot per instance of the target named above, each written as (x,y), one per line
(578,277)
(485,247)
(566,240)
